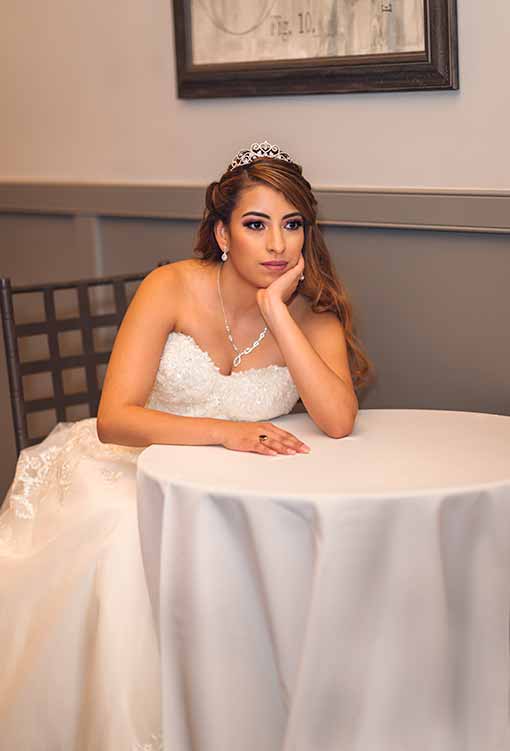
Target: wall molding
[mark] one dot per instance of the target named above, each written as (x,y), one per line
(440,210)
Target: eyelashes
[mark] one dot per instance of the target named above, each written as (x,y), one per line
(257,225)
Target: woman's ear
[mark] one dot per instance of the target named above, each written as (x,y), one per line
(221,234)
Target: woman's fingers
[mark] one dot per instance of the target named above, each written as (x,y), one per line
(262,448)
(292,441)
(283,442)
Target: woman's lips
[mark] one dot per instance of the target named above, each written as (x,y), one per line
(275,265)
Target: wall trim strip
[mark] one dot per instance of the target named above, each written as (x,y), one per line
(443,210)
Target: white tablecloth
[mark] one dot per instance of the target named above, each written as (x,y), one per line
(353,599)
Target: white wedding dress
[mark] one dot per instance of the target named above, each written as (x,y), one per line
(79,667)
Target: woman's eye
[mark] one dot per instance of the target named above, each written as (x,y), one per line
(256,225)
(294,224)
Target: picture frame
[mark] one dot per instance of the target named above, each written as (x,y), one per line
(206,48)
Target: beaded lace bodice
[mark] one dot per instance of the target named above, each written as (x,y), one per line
(189,383)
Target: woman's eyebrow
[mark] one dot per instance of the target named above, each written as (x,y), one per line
(266,216)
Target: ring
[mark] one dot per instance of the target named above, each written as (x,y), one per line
(263,437)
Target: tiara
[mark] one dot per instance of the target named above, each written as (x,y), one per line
(258,151)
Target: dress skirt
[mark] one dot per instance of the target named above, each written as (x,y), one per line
(80,662)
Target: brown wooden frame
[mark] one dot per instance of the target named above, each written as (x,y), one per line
(436,68)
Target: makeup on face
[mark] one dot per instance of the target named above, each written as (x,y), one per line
(265,230)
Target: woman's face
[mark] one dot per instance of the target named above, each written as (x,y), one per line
(265,236)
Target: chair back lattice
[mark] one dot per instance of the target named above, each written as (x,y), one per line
(73,375)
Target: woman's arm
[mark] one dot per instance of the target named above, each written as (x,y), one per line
(122,417)
(316,358)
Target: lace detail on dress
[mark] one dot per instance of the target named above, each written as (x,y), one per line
(110,475)
(32,473)
(156,744)
(52,464)
(189,383)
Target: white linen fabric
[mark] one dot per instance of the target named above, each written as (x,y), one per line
(80,667)
(355,598)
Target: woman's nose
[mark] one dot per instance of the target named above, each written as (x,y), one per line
(276,240)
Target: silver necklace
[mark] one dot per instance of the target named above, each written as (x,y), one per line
(239,353)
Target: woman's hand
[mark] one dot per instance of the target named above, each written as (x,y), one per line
(245,436)
(282,289)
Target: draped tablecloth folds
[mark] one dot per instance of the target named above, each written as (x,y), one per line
(353,599)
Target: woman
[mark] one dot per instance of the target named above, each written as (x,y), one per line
(211,349)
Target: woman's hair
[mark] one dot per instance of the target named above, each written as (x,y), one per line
(321,285)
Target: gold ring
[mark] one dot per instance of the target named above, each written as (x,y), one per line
(263,437)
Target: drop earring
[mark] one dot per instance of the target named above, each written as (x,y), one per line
(224,255)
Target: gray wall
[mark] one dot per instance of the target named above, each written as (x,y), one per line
(428,274)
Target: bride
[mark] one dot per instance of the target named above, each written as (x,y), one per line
(210,351)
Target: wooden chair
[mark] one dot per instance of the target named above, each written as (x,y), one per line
(73,378)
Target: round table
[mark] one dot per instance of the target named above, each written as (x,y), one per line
(356,598)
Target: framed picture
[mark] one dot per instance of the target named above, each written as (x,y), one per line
(266,47)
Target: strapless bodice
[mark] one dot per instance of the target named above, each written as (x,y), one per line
(189,383)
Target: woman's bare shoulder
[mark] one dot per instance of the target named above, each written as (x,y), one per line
(174,277)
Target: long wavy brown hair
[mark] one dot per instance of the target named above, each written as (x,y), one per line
(321,286)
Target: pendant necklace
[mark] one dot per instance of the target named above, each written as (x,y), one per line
(239,353)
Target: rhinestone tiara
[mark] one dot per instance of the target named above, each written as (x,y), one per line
(257,151)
